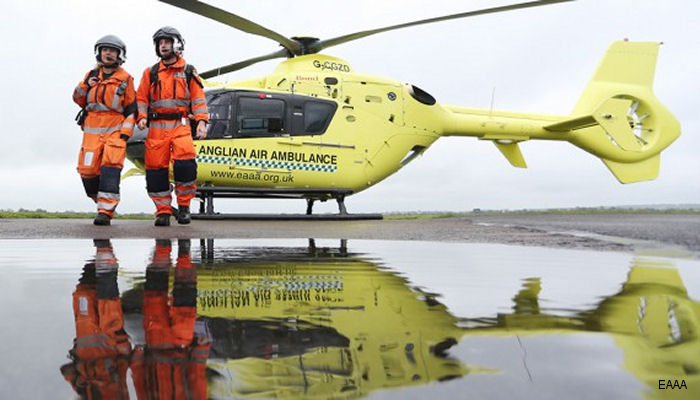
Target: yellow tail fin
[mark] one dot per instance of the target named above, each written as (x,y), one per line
(618,118)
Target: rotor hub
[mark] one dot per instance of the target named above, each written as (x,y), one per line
(306,43)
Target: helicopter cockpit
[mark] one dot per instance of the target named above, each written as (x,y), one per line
(246,114)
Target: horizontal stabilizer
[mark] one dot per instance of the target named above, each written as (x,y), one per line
(644,170)
(572,124)
(612,116)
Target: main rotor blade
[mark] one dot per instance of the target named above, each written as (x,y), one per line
(282,53)
(320,45)
(234,21)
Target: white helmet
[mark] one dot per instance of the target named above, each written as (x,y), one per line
(113,42)
(168,32)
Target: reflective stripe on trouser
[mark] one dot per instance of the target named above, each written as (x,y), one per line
(162,146)
(108,195)
(185,174)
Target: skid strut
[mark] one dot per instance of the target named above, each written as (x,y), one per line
(206,195)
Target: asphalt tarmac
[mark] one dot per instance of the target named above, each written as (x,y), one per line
(621,232)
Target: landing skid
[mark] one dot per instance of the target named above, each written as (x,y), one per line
(207,194)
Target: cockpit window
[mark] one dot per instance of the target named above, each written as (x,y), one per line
(219,105)
(237,114)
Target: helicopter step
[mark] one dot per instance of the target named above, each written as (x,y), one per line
(207,194)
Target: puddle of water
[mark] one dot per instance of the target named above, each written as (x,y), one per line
(339,319)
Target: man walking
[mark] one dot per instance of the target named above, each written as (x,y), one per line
(170,93)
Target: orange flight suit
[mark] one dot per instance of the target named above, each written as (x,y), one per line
(111,106)
(101,348)
(172,364)
(167,103)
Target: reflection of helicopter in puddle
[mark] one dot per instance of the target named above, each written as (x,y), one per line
(337,325)
(652,320)
(315,129)
(322,322)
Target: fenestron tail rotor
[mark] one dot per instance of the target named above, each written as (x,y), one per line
(296,46)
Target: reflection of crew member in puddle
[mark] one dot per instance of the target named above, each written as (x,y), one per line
(101,348)
(172,363)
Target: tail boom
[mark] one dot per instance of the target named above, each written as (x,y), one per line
(618,118)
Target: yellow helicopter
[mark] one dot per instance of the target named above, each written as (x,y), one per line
(314,129)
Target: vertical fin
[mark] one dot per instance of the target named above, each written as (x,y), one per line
(512,153)
(644,170)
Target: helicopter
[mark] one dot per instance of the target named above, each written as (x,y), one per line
(315,129)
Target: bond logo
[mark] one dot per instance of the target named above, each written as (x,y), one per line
(672,384)
(306,78)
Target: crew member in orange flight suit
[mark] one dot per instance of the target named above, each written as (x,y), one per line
(108,102)
(168,94)
(172,364)
(101,348)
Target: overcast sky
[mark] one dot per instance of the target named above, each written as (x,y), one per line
(537,60)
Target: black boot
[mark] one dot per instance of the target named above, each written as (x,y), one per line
(162,220)
(183,247)
(183,215)
(102,219)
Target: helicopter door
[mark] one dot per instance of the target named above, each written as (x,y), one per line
(260,116)
(310,116)
(221,112)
